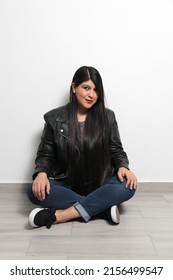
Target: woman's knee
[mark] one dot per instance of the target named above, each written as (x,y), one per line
(125,188)
(131,191)
(127,194)
(121,192)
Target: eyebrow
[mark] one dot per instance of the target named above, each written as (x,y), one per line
(86,85)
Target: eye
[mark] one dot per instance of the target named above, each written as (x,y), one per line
(86,88)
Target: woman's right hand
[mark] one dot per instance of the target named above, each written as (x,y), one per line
(41,186)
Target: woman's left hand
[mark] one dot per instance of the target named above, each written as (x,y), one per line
(131,178)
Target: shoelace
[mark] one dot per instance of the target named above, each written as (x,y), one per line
(51,218)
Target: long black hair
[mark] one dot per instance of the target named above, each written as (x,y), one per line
(95,166)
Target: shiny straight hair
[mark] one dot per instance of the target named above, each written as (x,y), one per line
(95,150)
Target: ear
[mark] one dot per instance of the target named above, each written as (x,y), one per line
(73,87)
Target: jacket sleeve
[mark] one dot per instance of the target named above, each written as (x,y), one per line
(118,156)
(45,159)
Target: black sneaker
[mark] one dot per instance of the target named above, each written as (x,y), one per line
(42,217)
(112,215)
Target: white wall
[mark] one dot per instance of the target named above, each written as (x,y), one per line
(42,43)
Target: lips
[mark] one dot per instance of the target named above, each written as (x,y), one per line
(88,100)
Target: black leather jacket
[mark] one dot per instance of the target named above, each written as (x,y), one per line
(52,151)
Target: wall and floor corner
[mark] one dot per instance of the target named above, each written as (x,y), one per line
(129,42)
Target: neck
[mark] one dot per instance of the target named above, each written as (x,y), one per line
(81,118)
(81,114)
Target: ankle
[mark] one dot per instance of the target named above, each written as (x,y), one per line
(66,215)
(59,216)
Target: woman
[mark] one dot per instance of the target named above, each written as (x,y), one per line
(81,168)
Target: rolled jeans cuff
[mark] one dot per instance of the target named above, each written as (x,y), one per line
(82,211)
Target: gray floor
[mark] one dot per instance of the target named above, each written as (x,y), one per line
(145,231)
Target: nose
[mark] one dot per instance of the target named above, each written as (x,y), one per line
(91,94)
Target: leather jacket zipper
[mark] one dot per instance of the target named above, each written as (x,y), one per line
(75,146)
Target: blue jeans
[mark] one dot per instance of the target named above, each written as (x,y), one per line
(112,192)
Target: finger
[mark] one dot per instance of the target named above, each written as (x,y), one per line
(48,188)
(37,190)
(34,189)
(132,184)
(120,176)
(42,193)
(128,182)
(135,184)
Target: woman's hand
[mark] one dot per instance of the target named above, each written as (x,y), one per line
(131,178)
(41,186)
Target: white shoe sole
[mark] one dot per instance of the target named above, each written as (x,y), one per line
(115,215)
(32,216)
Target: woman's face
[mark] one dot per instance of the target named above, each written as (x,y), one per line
(86,95)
